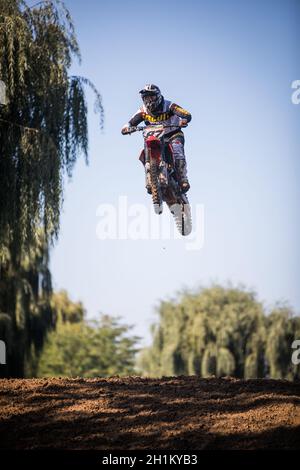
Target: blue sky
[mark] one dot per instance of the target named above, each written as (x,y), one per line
(231,64)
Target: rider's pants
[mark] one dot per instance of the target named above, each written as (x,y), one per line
(177,144)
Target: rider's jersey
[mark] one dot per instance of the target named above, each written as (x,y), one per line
(169,114)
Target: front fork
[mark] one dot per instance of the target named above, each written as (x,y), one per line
(148,177)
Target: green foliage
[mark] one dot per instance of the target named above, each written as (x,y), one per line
(84,349)
(25,312)
(209,360)
(225,362)
(283,329)
(65,310)
(221,331)
(43,129)
(44,126)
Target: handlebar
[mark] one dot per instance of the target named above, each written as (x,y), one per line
(141,128)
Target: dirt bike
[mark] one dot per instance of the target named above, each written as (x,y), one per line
(161,178)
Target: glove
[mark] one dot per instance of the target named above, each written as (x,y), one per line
(183,122)
(126,129)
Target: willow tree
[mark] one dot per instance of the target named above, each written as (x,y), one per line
(221,331)
(43,130)
(283,328)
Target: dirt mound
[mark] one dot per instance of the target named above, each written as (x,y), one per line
(176,413)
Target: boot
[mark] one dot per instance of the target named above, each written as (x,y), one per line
(181,171)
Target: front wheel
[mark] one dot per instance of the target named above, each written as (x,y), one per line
(155,187)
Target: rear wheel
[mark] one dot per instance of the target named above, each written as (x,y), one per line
(183,217)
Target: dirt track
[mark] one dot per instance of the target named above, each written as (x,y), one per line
(182,413)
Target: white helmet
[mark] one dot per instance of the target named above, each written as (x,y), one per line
(152,97)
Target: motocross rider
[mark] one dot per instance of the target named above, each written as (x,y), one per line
(156,109)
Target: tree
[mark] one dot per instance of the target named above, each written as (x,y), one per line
(89,349)
(25,315)
(221,331)
(43,129)
(283,327)
(65,310)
